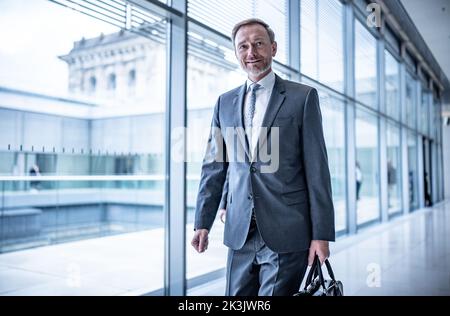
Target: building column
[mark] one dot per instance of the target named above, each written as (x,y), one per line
(175,201)
(350,116)
(382,141)
(294,37)
(420,160)
(404,141)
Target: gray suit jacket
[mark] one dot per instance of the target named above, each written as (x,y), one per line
(293,204)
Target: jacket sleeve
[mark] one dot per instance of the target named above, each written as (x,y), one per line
(213,174)
(223,201)
(317,172)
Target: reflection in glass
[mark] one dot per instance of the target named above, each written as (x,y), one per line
(367,171)
(365,66)
(393,168)
(412,171)
(87,155)
(437,120)
(424,112)
(392,86)
(411,101)
(221,16)
(322,42)
(210,73)
(334,133)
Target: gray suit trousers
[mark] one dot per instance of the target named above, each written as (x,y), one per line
(255,270)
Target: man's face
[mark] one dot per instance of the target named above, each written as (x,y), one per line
(254,50)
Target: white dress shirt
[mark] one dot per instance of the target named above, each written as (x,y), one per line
(262,101)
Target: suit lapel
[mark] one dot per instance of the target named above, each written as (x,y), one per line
(238,105)
(275,102)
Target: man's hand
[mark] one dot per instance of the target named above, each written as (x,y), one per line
(200,240)
(320,248)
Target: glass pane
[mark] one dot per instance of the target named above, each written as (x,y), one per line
(391,39)
(427,171)
(321,35)
(393,168)
(412,171)
(367,171)
(211,72)
(82,142)
(333,121)
(411,101)
(440,174)
(223,15)
(392,84)
(431,120)
(437,129)
(424,112)
(365,66)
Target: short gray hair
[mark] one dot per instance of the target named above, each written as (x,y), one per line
(251,22)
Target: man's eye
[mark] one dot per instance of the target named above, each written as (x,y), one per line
(258,43)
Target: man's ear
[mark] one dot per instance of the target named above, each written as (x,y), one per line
(274,49)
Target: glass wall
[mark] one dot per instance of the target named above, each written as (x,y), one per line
(212,70)
(223,15)
(365,66)
(321,35)
(436,119)
(424,111)
(411,101)
(333,120)
(412,171)
(367,167)
(391,86)
(393,152)
(81,125)
(83,133)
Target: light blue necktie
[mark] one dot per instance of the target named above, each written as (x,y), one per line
(250,112)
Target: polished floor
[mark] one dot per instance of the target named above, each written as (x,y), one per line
(410,255)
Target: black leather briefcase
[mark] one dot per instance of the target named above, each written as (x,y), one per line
(316,285)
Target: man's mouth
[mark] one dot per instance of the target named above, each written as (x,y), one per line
(253,61)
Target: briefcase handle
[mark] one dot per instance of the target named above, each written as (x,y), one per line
(316,270)
(330,271)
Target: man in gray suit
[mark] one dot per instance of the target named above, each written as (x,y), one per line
(277,219)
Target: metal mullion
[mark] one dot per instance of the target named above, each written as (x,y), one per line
(176,118)
(350,117)
(293,53)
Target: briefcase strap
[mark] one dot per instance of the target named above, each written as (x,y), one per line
(316,270)
(330,271)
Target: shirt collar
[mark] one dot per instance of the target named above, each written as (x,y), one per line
(267,82)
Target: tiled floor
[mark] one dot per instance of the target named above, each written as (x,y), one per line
(408,256)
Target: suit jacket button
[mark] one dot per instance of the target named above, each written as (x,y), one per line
(253,169)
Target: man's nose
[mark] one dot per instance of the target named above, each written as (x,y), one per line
(252,50)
